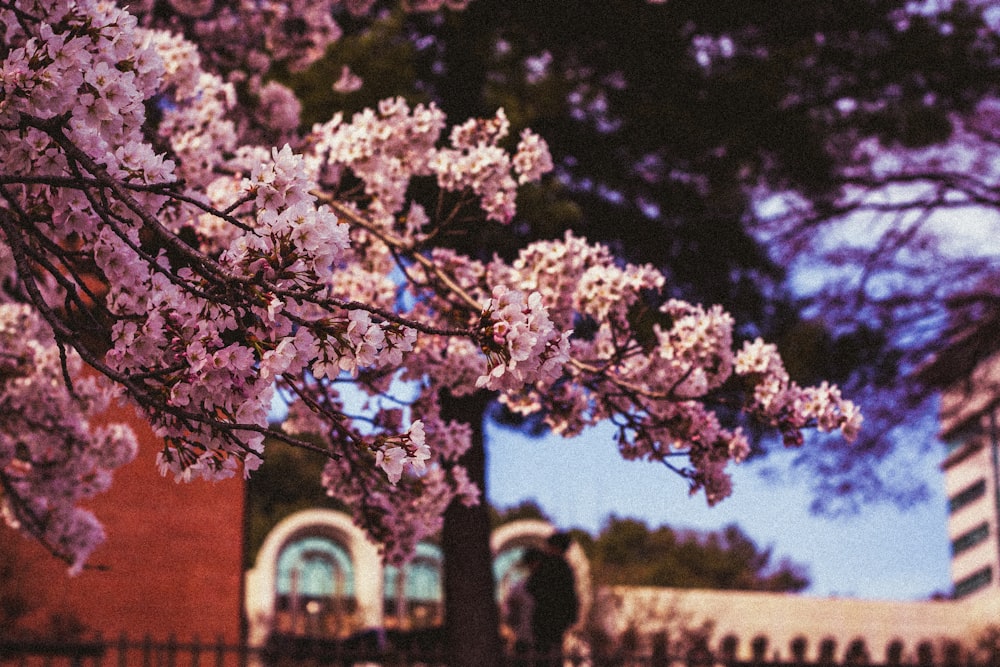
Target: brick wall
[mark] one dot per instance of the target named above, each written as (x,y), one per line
(172,563)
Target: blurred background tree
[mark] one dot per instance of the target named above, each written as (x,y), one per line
(627,552)
(290,482)
(731,144)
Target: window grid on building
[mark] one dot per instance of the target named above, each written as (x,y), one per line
(974,582)
(962,436)
(970,539)
(968,495)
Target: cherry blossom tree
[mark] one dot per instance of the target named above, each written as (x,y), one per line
(174,240)
(812,166)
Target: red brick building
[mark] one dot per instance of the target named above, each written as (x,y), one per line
(171,565)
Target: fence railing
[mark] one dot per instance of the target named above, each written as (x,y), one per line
(122,652)
(373,651)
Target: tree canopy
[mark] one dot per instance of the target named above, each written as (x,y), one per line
(729,145)
(628,552)
(845,145)
(176,236)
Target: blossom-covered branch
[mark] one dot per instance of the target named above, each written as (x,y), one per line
(149,226)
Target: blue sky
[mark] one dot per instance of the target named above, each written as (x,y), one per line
(880,553)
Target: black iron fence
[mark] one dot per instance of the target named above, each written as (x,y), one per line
(122,652)
(380,650)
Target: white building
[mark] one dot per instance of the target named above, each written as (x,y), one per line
(969,374)
(317,574)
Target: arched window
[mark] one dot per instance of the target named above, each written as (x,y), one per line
(314,587)
(414,595)
(506,569)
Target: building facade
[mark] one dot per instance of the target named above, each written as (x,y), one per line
(968,372)
(171,564)
(318,575)
(299,587)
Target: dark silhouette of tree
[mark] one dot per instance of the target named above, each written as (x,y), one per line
(719,140)
(526,509)
(628,552)
(288,481)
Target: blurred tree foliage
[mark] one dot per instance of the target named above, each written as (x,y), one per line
(667,120)
(526,509)
(676,127)
(381,52)
(717,140)
(627,552)
(288,481)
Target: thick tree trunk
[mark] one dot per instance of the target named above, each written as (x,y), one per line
(471,616)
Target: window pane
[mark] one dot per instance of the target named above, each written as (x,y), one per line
(968,495)
(974,582)
(318,566)
(970,539)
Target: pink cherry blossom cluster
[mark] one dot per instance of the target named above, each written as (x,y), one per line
(292,33)
(51,455)
(295,33)
(476,162)
(407,450)
(659,390)
(788,406)
(201,270)
(291,236)
(388,147)
(523,347)
(385,148)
